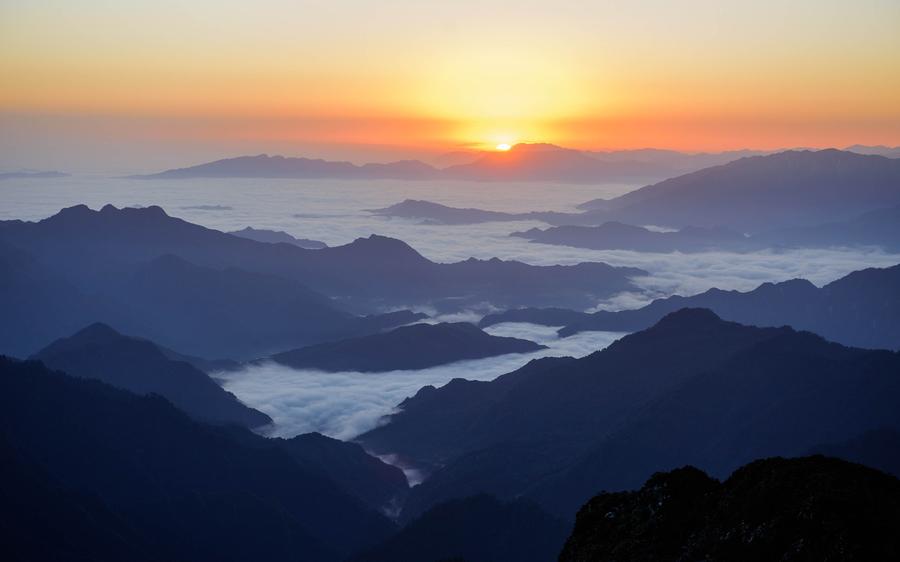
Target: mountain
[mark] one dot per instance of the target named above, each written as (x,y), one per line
(277,236)
(811,508)
(691,389)
(265,166)
(880,227)
(475,529)
(619,236)
(99,352)
(379,485)
(409,347)
(30,175)
(547,162)
(222,313)
(861,309)
(670,163)
(542,316)
(161,484)
(880,150)
(787,189)
(877,448)
(368,275)
(435,213)
(39,305)
(202,311)
(524,162)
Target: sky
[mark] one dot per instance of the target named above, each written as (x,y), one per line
(137,85)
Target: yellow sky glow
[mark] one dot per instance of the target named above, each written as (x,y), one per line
(694,75)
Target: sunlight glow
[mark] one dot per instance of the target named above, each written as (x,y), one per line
(503,147)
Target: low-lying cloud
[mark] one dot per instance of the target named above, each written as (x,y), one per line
(345,404)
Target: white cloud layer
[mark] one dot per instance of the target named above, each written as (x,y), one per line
(345,404)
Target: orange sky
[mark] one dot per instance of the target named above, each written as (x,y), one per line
(167,82)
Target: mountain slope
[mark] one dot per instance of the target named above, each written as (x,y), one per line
(619,236)
(861,309)
(410,347)
(265,166)
(369,274)
(277,236)
(186,491)
(691,389)
(811,508)
(475,529)
(99,352)
(792,188)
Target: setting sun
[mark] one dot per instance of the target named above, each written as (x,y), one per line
(503,147)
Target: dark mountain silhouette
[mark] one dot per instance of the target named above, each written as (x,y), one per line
(179,489)
(877,448)
(861,309)
(619,236)
(793,188)
(381,486)
(435,213)
(475,529)
(265,166)
(875,228)
(811,508)
(369,274)
(99,352)
(277,236)
(543,316)
(30,175)
(691,389)
(409,347)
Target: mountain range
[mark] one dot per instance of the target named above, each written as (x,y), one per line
(154,276)
(619,236)
(759,193)
(418,346)
(861,309)
(93,472)
(523,162)
(692,389)
(276,237)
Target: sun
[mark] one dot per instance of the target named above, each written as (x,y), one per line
(503,147)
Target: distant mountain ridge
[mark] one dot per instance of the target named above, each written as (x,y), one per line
(758,193)
(860,309)
(95,249)
(277,236)
(524,162)
(619,236)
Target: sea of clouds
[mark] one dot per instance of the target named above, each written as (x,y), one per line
(346,404)
(335,211)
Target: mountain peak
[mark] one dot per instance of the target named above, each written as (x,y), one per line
(690,318)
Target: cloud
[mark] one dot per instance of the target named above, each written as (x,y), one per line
(345,404)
